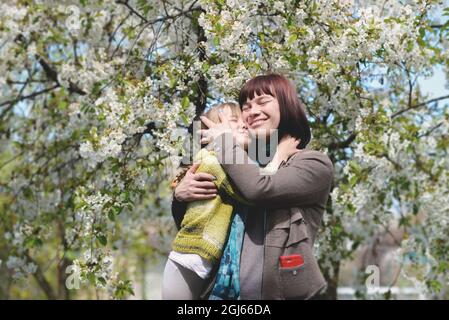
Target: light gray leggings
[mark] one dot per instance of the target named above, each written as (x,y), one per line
(180,283)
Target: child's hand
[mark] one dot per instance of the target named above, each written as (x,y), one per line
(287,147)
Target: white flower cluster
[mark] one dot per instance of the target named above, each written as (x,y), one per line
(91,212)
(20,266)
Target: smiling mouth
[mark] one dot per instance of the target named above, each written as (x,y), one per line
(257,122)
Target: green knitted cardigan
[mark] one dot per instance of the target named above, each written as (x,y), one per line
(205,226)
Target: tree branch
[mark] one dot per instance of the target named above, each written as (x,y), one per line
(41,280)
(133,11)
(201,99)
(343,144)
(53,75)
(431,130)
(18,99)
(419,105)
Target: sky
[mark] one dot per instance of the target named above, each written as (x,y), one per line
(437,86)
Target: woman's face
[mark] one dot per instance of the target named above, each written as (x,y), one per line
(261,114)
(237,125)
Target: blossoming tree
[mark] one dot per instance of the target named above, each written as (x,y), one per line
(96,97)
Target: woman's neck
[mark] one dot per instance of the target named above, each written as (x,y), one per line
(262,154)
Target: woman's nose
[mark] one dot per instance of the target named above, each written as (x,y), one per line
(254,111)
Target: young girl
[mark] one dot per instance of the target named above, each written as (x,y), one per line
(205,229)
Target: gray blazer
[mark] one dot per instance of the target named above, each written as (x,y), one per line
(294,199)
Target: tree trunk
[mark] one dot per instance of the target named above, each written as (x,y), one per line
(201,98)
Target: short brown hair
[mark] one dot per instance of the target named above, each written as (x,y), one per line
(293,119)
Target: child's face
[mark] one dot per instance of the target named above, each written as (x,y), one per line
(238,126)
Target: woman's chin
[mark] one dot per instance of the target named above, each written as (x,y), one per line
(260,132)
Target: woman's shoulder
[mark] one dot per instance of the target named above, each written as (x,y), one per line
(311,156)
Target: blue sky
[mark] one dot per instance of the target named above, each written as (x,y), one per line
(436,86)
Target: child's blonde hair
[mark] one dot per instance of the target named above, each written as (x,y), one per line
(211,114)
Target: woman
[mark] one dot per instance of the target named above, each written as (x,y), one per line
(277,260)
(199,244)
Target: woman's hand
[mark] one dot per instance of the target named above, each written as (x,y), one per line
(216,129)
(195,186)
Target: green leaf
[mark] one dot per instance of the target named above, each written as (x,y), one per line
(102,239)
(111,215)
(415,208)
(33,242)
(63,105)
(91,278)
(184,119)
(102,280)
(185,102)
(292,38)
(205,67)
(353,181)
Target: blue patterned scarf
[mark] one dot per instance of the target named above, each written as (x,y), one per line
(227,282)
